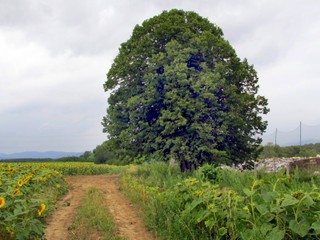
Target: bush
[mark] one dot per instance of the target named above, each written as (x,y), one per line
(211,173)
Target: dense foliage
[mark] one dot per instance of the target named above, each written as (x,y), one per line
(178,90)
(226,204)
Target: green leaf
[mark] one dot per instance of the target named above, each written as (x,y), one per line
(265,228)
(194,204)
(210,223)
(262,209)
(289,201)
(19,212)
(222,231)
(276,209)
(203,215)
(276,234)
(316,227)
(301,228)
(248,192)
(269,196)
(307,201)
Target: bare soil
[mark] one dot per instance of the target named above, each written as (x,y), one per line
(129,225)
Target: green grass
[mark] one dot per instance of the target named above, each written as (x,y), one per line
(93,217)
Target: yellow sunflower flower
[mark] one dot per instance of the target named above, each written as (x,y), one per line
(27,179)
(20,183)
(17,191)
(41,209)
(2,202)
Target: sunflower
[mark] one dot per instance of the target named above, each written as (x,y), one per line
(27,179)
(2,202)
(41,209)
(20,183)
(17,191)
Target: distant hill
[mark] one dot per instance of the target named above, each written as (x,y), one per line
(49,154)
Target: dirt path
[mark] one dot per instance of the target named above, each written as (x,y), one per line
(129,224)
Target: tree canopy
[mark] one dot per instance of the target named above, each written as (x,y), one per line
(178,90)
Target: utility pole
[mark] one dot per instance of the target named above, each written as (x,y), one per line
(275,137)
(300,133)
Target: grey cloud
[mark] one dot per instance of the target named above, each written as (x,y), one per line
(55,55)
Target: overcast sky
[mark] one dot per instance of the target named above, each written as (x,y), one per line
(54,56)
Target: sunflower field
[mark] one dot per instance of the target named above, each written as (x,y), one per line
(28,192)
(82,168)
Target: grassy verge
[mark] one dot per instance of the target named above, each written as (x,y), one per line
(93,219)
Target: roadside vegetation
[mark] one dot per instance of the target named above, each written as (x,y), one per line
(213,203)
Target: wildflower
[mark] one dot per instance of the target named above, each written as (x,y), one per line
(246,208)
(15,192)
(20,183)
(41,209)
(2,202)
(58,186)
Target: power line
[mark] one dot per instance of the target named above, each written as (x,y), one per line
(302,134)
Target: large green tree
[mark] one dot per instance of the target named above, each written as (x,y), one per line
(178,90)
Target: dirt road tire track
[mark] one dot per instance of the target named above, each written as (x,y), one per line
(129,225)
